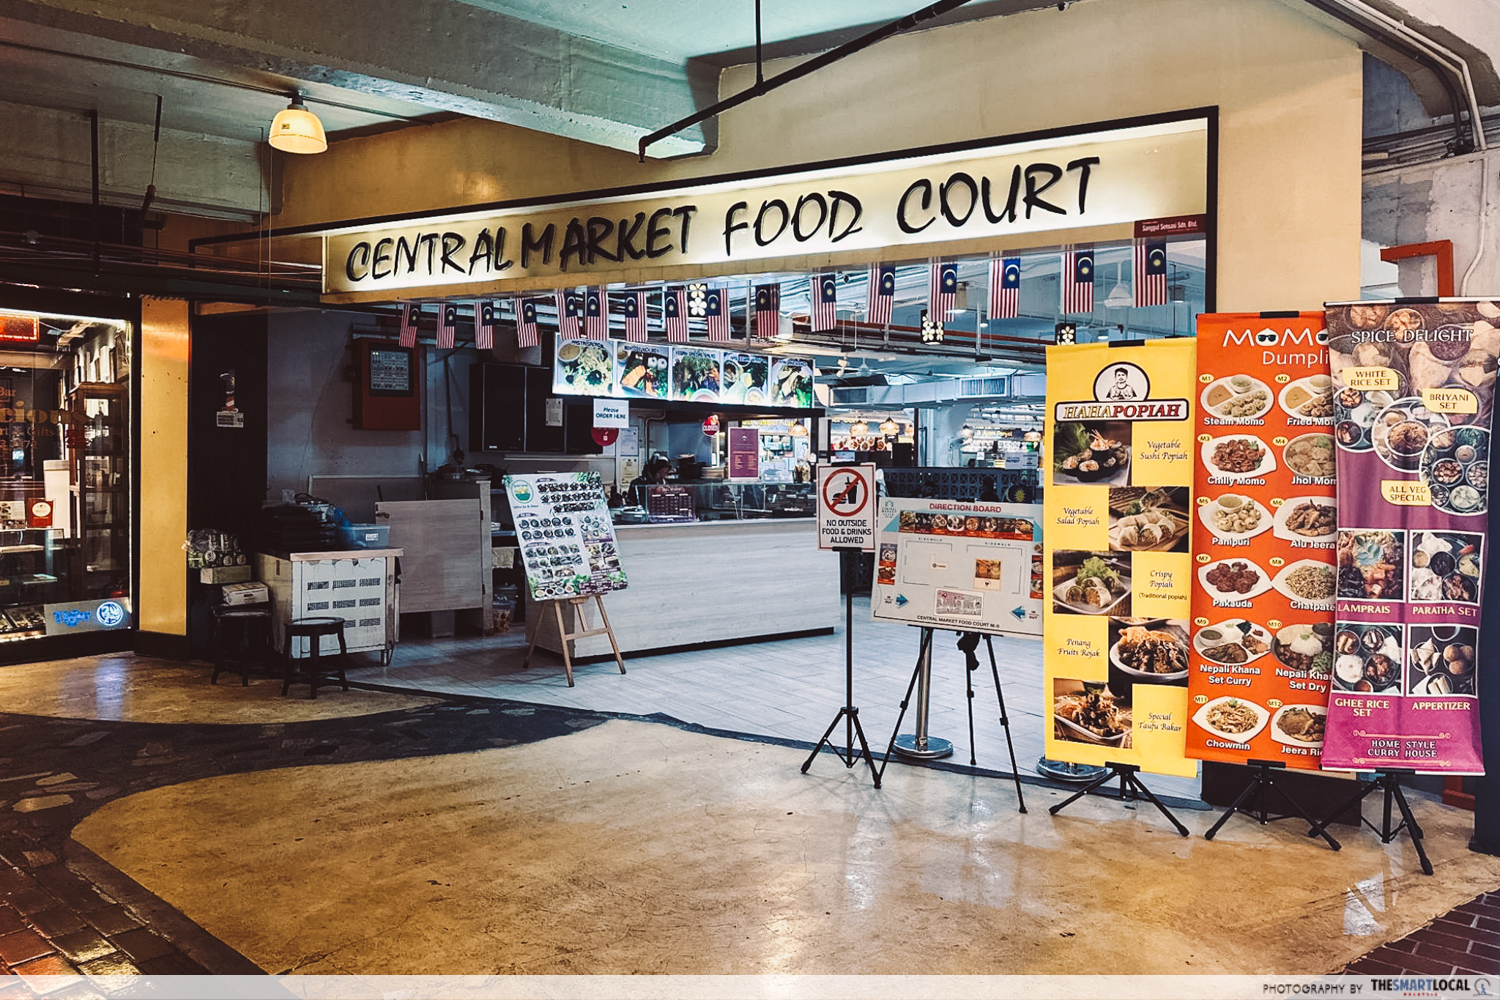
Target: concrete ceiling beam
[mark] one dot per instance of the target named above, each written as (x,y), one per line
(448,57)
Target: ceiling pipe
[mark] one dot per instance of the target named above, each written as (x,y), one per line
(764,86)
(1451,69)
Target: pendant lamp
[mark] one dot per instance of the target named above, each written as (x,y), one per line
(297,130)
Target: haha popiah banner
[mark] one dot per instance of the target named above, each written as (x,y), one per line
(1414,387)
(1119,444)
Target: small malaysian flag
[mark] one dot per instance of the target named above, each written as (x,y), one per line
(484,324)
(595,314)
(825,301)
(447,327)
(569,314)
(411,315)
(634,309)
(1078,281)
(942,290)
(767,311)
(882,295)
(674,314)
(1005,287)
(1150,285)
(526,331)
(716,312)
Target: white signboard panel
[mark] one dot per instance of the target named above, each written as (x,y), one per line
(566,537)
(954,564)
(846,507)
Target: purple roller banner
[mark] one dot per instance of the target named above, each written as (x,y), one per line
(1414,388)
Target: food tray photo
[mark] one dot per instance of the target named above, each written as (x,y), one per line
(1232,718)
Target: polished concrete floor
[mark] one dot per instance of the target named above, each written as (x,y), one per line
(424,839)
(637,847)
(787,690)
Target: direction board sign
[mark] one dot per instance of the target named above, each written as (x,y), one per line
(846,507)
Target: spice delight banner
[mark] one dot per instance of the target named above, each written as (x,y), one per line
(1118,509)
(1263,534)
(1414,388)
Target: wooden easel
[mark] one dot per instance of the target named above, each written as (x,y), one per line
(579,603)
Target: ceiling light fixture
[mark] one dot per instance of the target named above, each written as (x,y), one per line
(1119,296)
(297,130)
(859,428)
(889,427)
(799,429)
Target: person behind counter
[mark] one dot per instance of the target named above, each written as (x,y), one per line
(654,474)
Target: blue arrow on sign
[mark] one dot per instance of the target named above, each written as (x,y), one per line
(1020,614)
(901,601)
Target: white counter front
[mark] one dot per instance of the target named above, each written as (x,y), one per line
(710,581)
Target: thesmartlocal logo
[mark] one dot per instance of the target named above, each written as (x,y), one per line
(1122,391)
(1428,986)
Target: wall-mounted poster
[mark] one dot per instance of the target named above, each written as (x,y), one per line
(747,378)
(565,533)
(584,368)
(1414,390)
(953,564)
(683,372)
(1119,465)
(642,371)
(697,374)
(1263,534)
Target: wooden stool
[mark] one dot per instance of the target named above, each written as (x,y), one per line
(242,639)
(313,630)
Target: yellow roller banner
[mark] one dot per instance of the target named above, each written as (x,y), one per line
(1116,541)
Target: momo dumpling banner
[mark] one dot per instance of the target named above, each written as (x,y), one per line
(1414,390)
(1118,572)
(1263,538)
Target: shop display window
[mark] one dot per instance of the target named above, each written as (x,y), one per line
(65,493)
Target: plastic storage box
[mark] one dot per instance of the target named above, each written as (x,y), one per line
(365,536)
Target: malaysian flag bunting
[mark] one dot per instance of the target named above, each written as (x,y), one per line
(633,307)
(411,315)
(595,314)
(942,291)
(1005,287)
(569,314)
(447,322)
(825,301)
(1150,274)
(1078,281)
(716,312)
(526,332)
(674,314)
(882,294)
(484,324)
(767,311)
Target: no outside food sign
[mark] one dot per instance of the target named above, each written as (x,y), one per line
(846,507)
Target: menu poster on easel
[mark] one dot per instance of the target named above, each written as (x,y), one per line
(1414,393)
(1119,457)
(1263,534)
(565,533)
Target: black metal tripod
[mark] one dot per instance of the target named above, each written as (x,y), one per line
(1389,782)
(968,642)
(850,712)
(1262,784)
(1130,787)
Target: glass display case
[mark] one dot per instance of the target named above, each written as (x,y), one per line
(732,501)
(99,441)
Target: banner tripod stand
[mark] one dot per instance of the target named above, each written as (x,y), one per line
(1130,787)
(1389,782)
(969,642)
(849,714)
(1262,784)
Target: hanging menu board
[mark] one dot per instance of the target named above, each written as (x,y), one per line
(1119,453)
(955,564)
(1264,532)
(683,372)
(567,539)
(1414,387)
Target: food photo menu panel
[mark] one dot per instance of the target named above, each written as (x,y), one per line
(1264,531)
(567,538)
(1414,388)
(1118,518)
